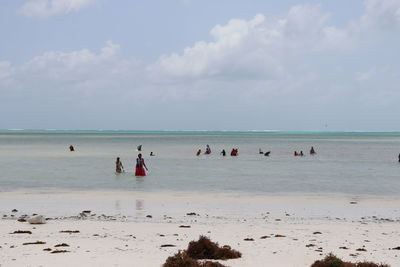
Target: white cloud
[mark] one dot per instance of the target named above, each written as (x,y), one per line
(381,14)
(277,47)
(207,58)
(256,48)
(74,59)
(303,20)
(82,72)
(47,8)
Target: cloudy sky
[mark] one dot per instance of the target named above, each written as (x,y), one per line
(200,65)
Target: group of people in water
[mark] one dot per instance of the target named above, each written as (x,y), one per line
(140,166)
(300,154)
(234,151)
(262,153)
(119,168)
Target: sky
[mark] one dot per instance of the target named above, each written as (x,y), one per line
(200,65)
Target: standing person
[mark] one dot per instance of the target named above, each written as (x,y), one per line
(223,153)
(140,166)
(399,157)
(312,151)
(198,152)
(118,166)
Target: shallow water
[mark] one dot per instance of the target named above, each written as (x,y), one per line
(349,163)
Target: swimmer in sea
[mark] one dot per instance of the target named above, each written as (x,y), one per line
(208,150)
(234,152)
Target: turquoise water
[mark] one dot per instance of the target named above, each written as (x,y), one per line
(349,163)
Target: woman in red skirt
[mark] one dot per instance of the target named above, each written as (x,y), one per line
(140,165)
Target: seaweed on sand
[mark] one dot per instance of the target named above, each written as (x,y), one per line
(181,259)
(34,243)
(332,261)
(21,232)
(204,248)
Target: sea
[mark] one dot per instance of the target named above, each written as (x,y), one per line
(355,163)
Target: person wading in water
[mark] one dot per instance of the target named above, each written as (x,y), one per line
(140,166)
(118,166)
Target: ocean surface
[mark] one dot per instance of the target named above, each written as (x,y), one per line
(345,163)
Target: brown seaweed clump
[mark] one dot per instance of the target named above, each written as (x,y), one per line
(34,243)
(21,232)
(204,248)
(181,259)
(332,261)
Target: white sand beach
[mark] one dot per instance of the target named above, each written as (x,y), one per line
(129,229)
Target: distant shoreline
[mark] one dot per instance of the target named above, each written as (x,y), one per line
(205,132)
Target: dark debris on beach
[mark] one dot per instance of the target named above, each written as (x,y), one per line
(203,249)
(21,232)
(70,231)
(61,245)
(332,261)
(34,243)
(181,259)
(59,251)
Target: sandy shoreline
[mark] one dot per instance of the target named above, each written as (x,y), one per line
(128,229)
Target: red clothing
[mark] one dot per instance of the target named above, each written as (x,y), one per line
(140,171)
(140,167)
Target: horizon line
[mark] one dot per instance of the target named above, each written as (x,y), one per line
(203,131)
